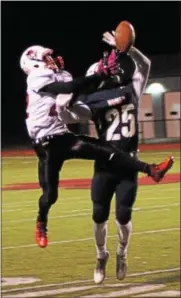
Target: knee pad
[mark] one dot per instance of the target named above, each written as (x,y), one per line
(100,213)
(123,214)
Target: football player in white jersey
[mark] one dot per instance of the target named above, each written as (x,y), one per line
(52,141)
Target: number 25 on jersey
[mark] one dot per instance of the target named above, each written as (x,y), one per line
(123,120)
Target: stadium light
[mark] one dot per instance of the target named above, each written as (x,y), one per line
(155,88)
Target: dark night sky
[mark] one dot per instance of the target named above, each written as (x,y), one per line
(74,30)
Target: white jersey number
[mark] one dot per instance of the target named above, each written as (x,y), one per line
(127,119)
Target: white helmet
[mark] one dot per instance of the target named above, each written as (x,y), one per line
(40,57)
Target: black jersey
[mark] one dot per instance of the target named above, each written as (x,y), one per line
(119,125)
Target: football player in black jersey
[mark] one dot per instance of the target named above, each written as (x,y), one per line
(118,126)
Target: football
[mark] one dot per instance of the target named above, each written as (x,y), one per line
(124,36)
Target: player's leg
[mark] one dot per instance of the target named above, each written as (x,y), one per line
(90,148)
(102,189)
(49,166)
(125,196)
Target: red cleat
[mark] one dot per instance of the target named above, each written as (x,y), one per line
(158,171)
(41,234)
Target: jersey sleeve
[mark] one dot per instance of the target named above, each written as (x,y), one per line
(142,71)
(39,79)
(77,85)
(105,98)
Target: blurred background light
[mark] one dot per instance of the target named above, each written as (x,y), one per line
(155,88)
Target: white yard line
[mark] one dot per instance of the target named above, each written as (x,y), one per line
(161,294)
(131,290)
(76,210)
(11,210)
(155,207)
(51,292)
(19,204)
(91,238)
(4,162)
(163,209)
(62,200)
(137,274)
(85,214)
(52,217)
(31,202)
(68,213)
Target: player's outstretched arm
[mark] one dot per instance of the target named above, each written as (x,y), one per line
(143,64)
(74,86)
(105,98)
(79,85)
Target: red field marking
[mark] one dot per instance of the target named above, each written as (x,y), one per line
(159,147)
(142,147)
(22,153)
(86,183)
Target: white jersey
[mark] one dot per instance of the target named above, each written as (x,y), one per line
(42,118)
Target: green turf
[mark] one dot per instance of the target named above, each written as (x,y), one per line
(157,209)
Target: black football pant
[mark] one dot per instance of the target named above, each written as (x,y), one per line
(54,151)
(105,183)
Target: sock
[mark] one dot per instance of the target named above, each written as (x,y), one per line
(100,234)
(124,234)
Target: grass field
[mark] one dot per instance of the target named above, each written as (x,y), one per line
(65,267)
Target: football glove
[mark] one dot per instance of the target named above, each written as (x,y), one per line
(109,38)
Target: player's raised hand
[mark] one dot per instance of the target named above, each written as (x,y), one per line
(102,68)
(113,63)
(109,65)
